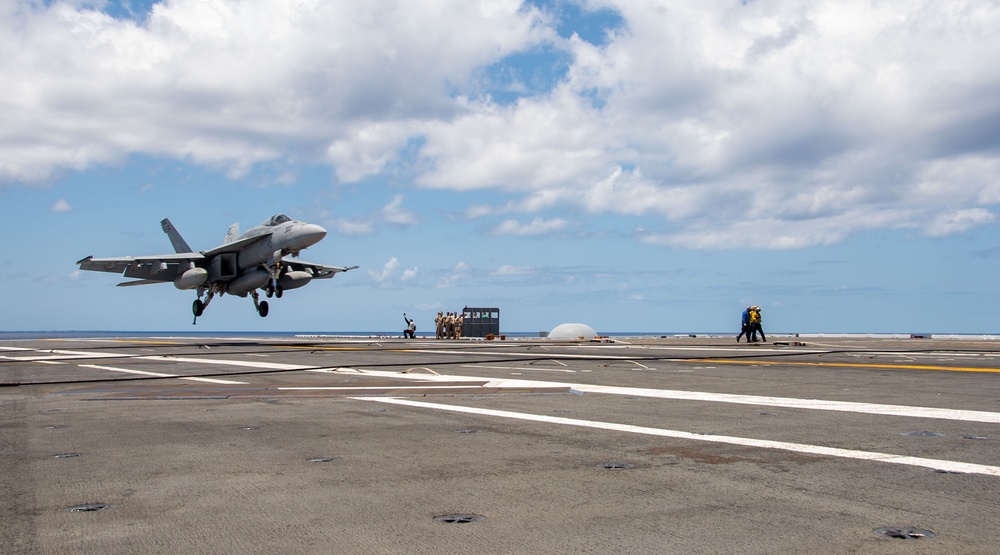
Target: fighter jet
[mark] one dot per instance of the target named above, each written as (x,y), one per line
(240,266)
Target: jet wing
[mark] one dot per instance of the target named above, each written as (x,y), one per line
(148,269)
(319,271)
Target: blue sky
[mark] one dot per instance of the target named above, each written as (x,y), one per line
(635,166)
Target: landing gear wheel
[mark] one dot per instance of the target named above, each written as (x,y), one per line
(278,291)
(262,309)
(198,308)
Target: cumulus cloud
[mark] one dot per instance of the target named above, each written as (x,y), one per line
(233,84)
(958,221)
(461,272)
(508,270)
(393,212)
(791,120)
(805,122)
(536,226)
(347,226)
(391,276)
(60,206)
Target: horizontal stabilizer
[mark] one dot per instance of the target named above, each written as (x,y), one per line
(319,271)
(139,282)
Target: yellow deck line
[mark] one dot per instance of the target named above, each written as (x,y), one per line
(314,348)
(851,365)
(144,342)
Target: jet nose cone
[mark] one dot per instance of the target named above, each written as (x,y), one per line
(310,234)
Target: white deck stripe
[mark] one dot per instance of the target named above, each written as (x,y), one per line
(812,404)
(523,368)
(159,375)
(241,363)
(376,388)
(214,380)
(128,371)
(60,355)
(951,466)
(786,402)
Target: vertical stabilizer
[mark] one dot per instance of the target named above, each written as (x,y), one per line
(180,245)
(233,233)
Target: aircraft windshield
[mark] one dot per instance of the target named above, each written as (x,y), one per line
(277,219)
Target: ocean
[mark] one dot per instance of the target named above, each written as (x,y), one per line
(91,334)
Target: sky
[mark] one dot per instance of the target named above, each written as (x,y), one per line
(634,165)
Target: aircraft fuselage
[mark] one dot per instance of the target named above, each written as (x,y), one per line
(286,238)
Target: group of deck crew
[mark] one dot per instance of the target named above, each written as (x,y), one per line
(449,326)
(750,325)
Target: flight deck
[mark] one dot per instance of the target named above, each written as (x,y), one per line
(381,445)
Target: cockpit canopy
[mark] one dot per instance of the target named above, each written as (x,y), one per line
(276,219)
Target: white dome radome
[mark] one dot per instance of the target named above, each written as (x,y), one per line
(572,331)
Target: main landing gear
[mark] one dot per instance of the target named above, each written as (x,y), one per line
(260,305)
(199,306)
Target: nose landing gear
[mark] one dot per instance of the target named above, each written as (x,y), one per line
(199,305)
(272,289)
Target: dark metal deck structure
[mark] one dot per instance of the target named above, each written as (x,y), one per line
(480,322)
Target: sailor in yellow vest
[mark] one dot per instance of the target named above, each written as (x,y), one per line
(755,324)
